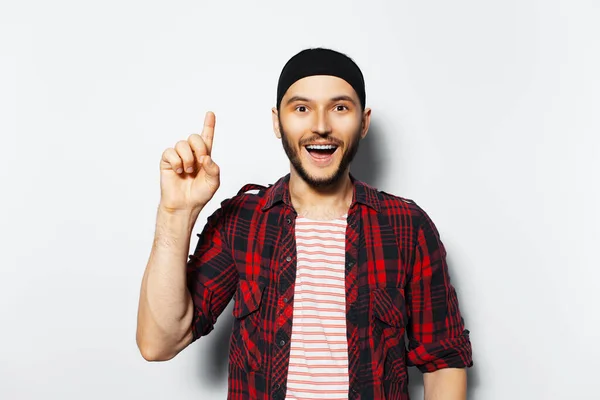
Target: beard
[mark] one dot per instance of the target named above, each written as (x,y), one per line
(294,157)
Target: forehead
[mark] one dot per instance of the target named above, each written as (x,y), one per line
(320,87)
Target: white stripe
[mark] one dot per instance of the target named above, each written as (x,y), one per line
(326,299)
(321,238)
(319,256)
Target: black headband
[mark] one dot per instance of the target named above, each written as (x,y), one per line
(320,61)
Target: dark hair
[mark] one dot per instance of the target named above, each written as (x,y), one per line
(321,61)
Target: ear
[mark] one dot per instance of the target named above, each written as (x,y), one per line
(275,116)
(366,121)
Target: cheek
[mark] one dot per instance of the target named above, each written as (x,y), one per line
(295,130)
(297,121)
(348,120)
(348,130)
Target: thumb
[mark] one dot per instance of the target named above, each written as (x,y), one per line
(211,168)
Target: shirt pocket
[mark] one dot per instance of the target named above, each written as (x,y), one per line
(389,306)
(389,319)
(247,340)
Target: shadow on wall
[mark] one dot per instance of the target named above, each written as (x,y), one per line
(368,163)
(473,379)
(213,363)
(368,166)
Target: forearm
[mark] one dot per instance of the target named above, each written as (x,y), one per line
(165,305)
(446,384)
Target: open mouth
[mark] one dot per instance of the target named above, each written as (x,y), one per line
(321,153)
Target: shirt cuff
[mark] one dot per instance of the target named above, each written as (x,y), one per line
(448,353)
(202,322)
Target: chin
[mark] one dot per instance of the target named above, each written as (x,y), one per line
(321,177)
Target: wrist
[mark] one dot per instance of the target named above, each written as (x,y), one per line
(179,212)
(176,223)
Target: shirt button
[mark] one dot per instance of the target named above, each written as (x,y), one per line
(350,263)
(285,299)
(288,259)
(277,386)
(289,221)
(281,342)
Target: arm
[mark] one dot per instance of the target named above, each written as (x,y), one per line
(446,384)
(181,301)
(165,305)
(437,337)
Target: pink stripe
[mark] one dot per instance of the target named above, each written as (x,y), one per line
(301,382)
(344,341)
(334,278)
(320,269)
(329,336)
(305,308)
(322,374)
(329,317)
(324,245)
(317,253)
(331,391)
(315,261)
(298,396)
(319,366)
(317,300)
(321,224)
(329,326)
(301,239)
(301,231)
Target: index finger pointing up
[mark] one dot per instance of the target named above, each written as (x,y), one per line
(209,130)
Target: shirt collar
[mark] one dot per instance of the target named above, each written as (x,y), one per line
(362,194)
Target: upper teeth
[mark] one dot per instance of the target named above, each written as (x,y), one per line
(321,146)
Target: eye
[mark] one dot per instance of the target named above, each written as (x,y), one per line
(300,108)
(343,107)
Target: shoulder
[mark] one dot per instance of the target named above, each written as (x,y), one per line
(399,205)
(407,213)
(245,202)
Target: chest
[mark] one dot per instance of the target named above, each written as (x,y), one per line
(366,249)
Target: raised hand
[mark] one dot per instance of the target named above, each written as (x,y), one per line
(189,177)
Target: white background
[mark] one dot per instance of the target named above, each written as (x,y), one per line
(486,113)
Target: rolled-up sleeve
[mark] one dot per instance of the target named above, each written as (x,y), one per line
(437,337)
(211,274)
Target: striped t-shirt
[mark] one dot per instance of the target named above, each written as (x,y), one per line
(318,366)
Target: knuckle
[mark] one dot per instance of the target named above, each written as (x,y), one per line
(170,155)
(182,144)
(193,137)
(196,141)
(174,158)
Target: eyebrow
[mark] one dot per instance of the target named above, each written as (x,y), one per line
(336,98)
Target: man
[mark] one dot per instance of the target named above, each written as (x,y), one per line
(337,287)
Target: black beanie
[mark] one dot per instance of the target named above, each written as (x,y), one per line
(321,61)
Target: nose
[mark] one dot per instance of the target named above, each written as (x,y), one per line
(321,124)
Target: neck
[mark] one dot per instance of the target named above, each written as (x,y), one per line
(321,203)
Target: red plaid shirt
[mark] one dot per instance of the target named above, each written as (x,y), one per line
(397,283)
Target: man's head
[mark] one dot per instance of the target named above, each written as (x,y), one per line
(320,114)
